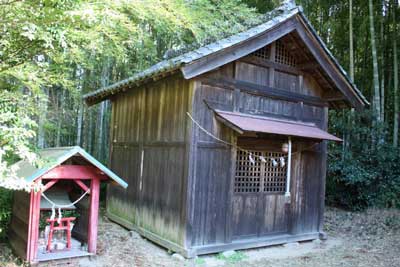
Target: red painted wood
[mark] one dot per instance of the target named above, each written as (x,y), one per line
(33,231)
(81,185)
(36,224)
(28,245)
(49,184)
(74,172)
(93,215)
(64,225)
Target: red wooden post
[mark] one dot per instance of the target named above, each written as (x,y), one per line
(50,238)
(93,214)
(34,217)
(35,224)
(28,245)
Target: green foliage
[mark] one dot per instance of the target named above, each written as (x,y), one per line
(55,51)
(5,211)
(236,257)
(365,170)
(200,261)
(16,132)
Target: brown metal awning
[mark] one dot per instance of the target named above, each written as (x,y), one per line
(242,123)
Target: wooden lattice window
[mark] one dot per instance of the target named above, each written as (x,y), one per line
(283,56)
(260,176)
(248,174)
(262,53)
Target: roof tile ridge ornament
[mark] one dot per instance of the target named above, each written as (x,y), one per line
(287,5)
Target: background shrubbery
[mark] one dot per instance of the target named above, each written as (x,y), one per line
(5,211)
(364,170)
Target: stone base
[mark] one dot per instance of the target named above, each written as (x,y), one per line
(68,262)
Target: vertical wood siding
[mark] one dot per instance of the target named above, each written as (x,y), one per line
(151,121)
(249,215)
(182,190)
(211,195)
(18,230)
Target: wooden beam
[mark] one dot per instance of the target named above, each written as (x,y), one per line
(81,185)
(334,99)
(83,172)
(235,52)
(253,243)
(230,125)
(331,94)
(308,66)
(271,65)
(33,226)
(49,184)
(264,91)
(327,64)
(271,68)
(93,215)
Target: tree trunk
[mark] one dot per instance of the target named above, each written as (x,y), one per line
(100,137)
(395,81)
(42,105)
(382,37)
(103,105)
(376,102)
(60,116)
(351,43)
(346,134)
(90,131)
(79,125)
(79,122)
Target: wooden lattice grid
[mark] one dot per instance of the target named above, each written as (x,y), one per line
(263,53)
(274,177)
(283,56)
(248,174)
(259,176)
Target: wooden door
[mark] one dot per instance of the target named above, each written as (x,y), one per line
(258,199)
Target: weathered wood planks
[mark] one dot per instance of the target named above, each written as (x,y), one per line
(181,179)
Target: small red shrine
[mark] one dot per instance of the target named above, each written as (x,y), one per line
(58,219)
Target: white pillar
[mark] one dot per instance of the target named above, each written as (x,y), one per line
(287,193)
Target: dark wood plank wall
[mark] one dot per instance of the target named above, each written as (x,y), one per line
(149,150)
(245,86)
(210,173)
(18,230)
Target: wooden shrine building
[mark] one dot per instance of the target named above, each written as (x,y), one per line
(225,147)
(68,183)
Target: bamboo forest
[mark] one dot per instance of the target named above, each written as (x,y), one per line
(54,52)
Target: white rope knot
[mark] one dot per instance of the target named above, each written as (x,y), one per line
(59,216)
(53,212)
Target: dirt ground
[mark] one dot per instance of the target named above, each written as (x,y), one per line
(369,238)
